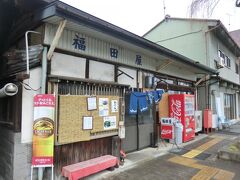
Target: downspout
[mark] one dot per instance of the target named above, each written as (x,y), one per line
(208,64)
(40,169)
(196,98)
(46,55)
(44,71)
(27,50)
(137,116)
(43,91)
(207,87)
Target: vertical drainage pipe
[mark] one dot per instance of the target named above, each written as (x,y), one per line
(137,117)
(43,89)
(40,169)
(27,50)
(44,70)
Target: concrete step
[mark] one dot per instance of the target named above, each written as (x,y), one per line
(238,144)
(231,152)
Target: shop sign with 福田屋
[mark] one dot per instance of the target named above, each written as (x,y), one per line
(43,130)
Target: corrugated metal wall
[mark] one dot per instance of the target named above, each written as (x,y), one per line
(98,48)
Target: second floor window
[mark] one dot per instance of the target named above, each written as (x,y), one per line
(227,61)
(221,54)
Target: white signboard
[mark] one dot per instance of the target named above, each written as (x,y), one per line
(109,122)
(103,107)
(121,132)
(92,103)
(114,106)
(87,122)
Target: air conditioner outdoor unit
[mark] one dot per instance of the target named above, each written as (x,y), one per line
(220,63)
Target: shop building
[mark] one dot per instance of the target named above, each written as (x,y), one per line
(77,56)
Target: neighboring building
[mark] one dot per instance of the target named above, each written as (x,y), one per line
(91,58)
(209,43)
(236,36)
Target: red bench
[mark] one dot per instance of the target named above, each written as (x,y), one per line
(85,168)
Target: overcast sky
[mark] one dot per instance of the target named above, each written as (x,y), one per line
(138,16)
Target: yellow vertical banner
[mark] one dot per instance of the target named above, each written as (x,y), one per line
(43,130)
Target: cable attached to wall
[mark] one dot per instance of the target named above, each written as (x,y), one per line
(28,87)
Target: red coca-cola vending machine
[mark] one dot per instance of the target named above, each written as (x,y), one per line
(181,107)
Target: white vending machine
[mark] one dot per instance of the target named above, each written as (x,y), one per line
(198,121)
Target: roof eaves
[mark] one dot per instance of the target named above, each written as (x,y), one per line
(77,16)
(63,10)
(154,27)
(194,19)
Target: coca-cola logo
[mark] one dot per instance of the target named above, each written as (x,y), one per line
(166,131)
(176,109)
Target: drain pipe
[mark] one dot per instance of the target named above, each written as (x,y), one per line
(40,169)
(137,116)
(43,88)
(44,70)
(27,50)
(208,95)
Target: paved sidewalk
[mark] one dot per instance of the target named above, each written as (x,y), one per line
(135,158)
(234,128)
(197,160)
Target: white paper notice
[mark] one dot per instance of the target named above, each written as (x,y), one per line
(87,122)
(103,107)
(92,103)
(121,132)
(114,106)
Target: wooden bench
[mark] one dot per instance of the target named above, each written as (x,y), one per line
(85,168)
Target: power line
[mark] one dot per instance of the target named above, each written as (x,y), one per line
(179,36)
